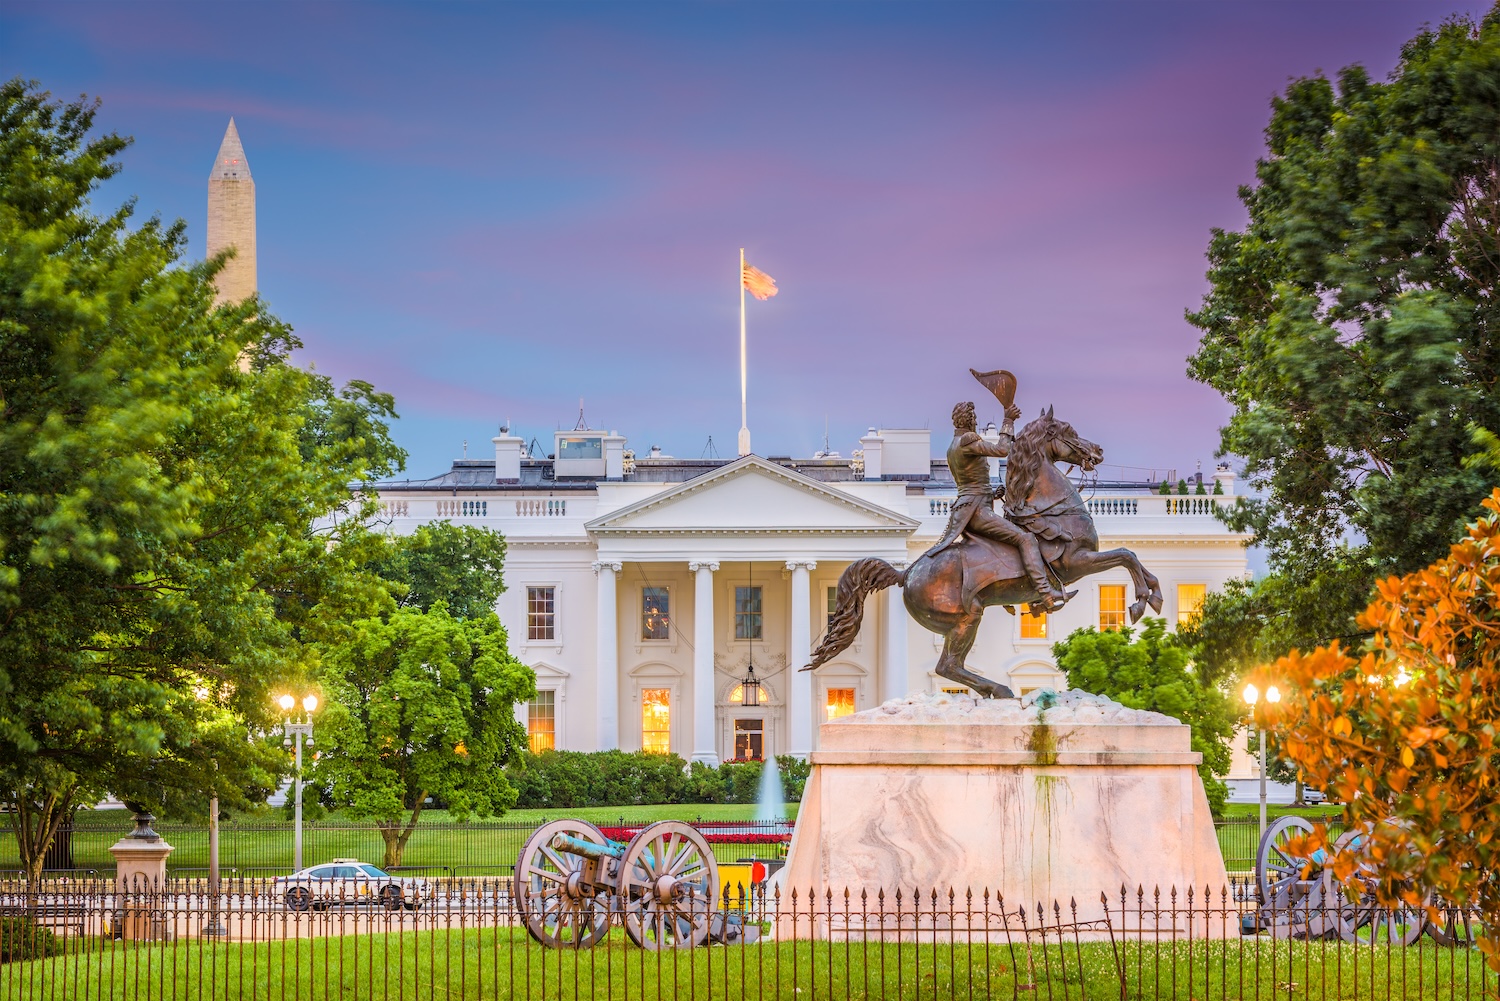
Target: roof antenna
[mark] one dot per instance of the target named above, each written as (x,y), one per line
(582,424)
(709,452)
(825,432)
(466,448)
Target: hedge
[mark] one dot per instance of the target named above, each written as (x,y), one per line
(570,779)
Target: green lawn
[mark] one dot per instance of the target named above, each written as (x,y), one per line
(261,844)
(1273,811)
(487,964)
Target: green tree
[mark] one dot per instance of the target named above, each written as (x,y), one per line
(456,564)
(1353,323)
(1154,672)
(171,537)
(420,705)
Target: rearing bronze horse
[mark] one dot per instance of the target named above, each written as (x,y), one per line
(1040,499)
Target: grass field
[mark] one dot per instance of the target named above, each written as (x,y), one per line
(504,963)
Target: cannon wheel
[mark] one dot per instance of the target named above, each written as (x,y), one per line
(1287,897)
(1458,928)
(668,880)
(557,894)
(1368,922)
(1277,871)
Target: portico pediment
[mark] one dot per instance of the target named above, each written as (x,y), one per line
(751,496)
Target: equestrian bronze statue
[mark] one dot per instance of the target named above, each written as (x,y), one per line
(1044,541)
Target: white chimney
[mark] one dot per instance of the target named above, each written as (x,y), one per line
(508,450)
(871,443)
(614,456)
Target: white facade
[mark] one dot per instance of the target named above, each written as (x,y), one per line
(587,554)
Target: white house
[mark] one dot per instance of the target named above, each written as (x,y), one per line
(642,590)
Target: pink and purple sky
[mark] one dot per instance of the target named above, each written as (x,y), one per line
(494,210)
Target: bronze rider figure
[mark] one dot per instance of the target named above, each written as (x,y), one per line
(974,510)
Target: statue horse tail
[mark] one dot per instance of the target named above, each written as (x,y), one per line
(864,577)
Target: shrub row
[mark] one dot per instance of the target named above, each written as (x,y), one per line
(569,779)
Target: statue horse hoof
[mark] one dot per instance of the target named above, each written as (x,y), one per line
(1155,602)
(1137,610)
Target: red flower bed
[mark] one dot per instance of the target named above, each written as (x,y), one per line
(736,837)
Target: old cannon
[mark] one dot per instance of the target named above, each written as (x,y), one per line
(572,883)
(1300,898)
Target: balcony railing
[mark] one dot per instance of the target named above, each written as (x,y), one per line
(547,508)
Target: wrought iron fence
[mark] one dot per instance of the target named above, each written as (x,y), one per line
(87,939)
(476,848)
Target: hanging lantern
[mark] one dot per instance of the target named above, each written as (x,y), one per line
(750,687)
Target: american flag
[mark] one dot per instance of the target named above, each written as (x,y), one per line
(758,283)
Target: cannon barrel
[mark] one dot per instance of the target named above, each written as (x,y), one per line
(587,849)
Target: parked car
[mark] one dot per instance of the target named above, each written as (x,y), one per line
(349,881)
(1314,797)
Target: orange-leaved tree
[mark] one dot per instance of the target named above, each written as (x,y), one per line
(1404,734)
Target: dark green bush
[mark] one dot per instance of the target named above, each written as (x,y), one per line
(22,938)
(569,779)
(794,773)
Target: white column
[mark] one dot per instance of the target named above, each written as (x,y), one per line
(893,678)
(607,657)
(703,661)
(799,683)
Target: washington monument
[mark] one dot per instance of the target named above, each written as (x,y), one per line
(231,218)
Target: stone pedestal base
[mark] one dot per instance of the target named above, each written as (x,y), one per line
(141,875)
(1037,806)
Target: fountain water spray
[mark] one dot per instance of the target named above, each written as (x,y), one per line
(770,804)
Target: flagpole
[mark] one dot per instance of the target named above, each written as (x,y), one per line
(744,424)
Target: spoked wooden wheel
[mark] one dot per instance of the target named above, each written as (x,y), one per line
(1378,925)
(668,880)
(558,893)
(1367,921)
(1293,892)
(1458,928)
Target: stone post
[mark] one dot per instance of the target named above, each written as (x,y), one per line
(141,876)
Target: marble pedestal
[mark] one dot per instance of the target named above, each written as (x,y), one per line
(141,876)
(940,792)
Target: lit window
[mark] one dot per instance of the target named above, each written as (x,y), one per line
(839,702)
(1189,602)
(1033,627)
(749,739)
(1111,606)
(957,691)
(655,622)
(541,722)
(656,720)
(747,613)
(541,613)
(833,602)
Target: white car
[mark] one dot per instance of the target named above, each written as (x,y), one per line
(349,881)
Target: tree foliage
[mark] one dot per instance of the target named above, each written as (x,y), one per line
(1404,731)
(459,565)
(1353,323)
(160,567)
(420,705)
(1155,672)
